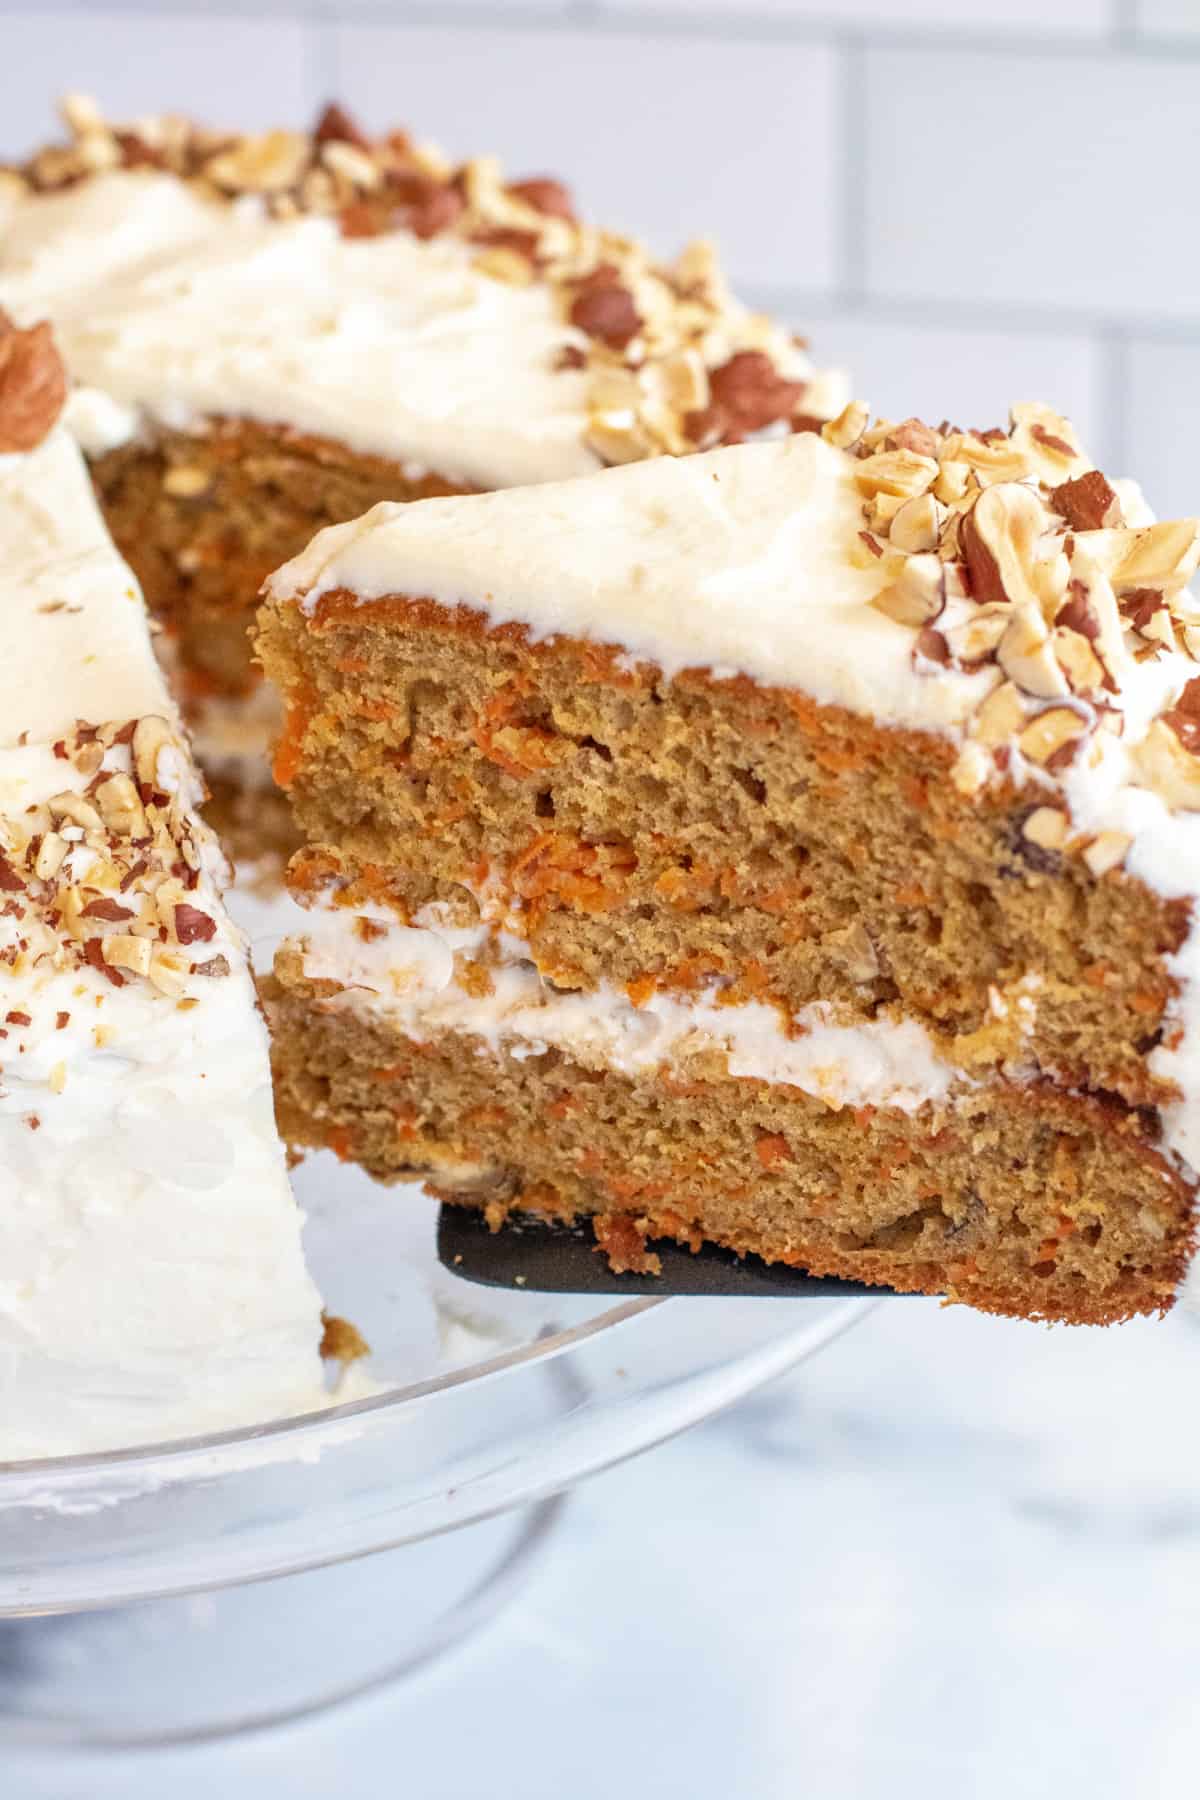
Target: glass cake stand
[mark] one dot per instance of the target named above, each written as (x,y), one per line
(137,1595)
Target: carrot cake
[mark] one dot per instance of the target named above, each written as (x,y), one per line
(273,332)
(793,846)
(151,1276)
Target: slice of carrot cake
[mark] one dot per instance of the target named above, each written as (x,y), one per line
(793,846)
(273,332)
(151,1277)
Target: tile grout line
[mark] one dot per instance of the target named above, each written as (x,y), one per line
(936,313)
(1123,36)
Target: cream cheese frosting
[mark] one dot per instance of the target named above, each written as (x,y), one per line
(171,308)
(746,560)
(152,1282)
(406,975)
(177,308)
(70,603)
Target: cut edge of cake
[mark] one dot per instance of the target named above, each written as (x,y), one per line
(948,673)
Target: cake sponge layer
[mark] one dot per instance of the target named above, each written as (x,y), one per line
(1020,1200)
(667,834)
(204,516)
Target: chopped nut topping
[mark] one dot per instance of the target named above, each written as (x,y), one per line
(917,524)
(1077,660)
(1014,556)
(974,638)
(997,538)
(918,593)
(261,165)
(903,473)
(1050,732)
(1026,654)
(193,926)
(624,308)
(151,735)
(106,879)
(1149,556)
(748,393)
(846,430)
(1088,502)
(1001,716)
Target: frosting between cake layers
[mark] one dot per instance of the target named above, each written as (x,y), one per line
(406,975)
(747,560)
(178,308)
(152,1282)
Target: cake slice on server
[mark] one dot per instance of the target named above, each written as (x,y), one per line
(152,1283)
(792,847)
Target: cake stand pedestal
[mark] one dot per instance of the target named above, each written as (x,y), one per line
(218,1664)
(220,1584)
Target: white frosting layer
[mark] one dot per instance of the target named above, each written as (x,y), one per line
(407,976)
(1165,854)
(744,560)
(77,628)
(151,1276)
(176,308)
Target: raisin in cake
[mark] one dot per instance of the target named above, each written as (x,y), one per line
(793,846)
(272,332)
(151,1277)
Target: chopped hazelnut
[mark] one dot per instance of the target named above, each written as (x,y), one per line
(1050,732)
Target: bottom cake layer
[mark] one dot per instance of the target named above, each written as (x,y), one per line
(847,1150)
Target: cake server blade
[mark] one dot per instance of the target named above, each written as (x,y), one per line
(545,1258)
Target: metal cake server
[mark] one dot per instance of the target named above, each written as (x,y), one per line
(560,1259)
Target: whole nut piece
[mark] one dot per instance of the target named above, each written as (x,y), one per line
(33,385)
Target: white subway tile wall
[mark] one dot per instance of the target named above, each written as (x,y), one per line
(668,137)
(963,205)
(233,67)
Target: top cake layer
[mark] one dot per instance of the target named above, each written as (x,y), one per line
(960,586)
(373,294)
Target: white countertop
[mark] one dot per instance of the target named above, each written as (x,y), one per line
(949,1555)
